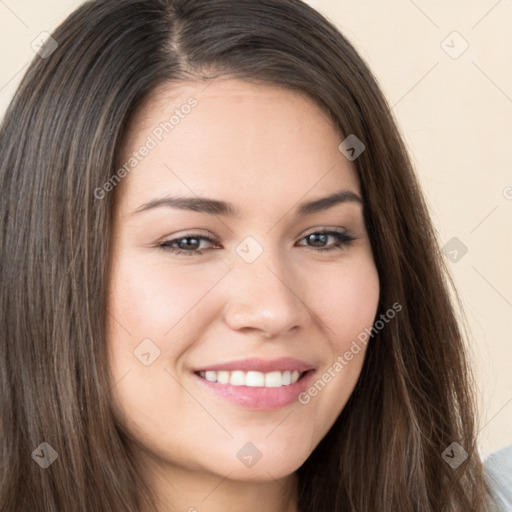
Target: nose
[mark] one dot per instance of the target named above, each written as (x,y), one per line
(265,296)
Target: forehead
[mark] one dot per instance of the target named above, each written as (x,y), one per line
(234,140)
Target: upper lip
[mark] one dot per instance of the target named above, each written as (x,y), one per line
(260,365)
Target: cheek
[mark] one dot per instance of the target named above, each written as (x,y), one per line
(347,305)
(347,301)
(156,302)
(166,305)
(151,298)
(145,307)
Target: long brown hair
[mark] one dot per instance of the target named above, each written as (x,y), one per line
(60,140)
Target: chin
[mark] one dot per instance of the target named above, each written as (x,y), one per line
(273,464)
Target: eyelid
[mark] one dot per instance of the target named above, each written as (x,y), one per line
(338,229)
(189,234)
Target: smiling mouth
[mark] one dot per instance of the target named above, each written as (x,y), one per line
(254,379)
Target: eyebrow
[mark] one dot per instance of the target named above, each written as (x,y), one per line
(216,207)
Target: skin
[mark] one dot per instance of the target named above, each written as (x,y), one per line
(265,149)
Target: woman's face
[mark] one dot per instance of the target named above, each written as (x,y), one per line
(205,344)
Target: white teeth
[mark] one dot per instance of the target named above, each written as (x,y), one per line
(237,378)
(273,380)
(211,376)
(255,379)
(252,379)
(223,377)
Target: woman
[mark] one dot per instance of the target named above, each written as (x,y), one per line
(221,289)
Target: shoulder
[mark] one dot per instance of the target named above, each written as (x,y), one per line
(498,471)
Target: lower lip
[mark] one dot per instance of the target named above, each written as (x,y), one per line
(260,398)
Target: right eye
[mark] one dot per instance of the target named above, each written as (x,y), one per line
(187,244)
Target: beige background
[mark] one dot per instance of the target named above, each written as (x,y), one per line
(455,112)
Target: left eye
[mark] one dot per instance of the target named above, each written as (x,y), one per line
(190,244)
(342,238)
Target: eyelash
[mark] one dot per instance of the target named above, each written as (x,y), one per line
(342,239)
